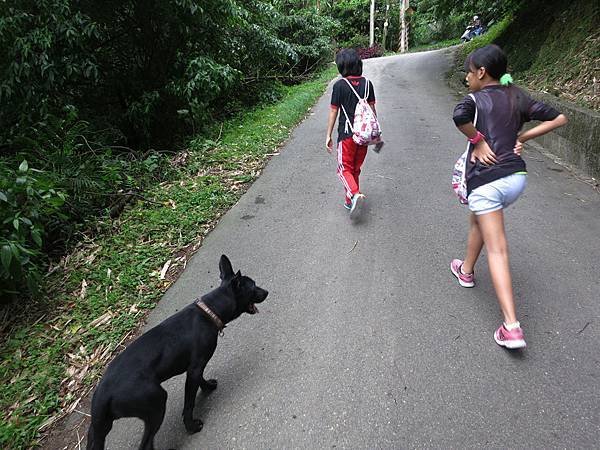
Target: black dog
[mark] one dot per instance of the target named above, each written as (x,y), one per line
(184,342)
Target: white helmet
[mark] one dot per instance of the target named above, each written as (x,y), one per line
(475,17)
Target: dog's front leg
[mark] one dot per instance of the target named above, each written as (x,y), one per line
(192,383)
(195,379)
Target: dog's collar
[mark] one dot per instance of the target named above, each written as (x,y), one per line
(211,315)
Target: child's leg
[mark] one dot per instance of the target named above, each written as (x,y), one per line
(474,245)
(491,226)
(359,159)
(346,156)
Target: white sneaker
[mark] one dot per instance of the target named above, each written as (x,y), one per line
(357,203)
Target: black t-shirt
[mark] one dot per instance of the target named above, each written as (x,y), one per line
(501,113)
(342,95)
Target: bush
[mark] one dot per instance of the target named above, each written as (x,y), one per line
(309,35)
(27,201)
(155,72)
(370,52)
(67,177)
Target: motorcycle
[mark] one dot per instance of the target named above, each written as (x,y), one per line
(471,32)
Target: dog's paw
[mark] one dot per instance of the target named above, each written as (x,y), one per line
(194,426)
(209,385)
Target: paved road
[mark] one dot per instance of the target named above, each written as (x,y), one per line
(366,341)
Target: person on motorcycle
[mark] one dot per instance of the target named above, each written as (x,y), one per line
(477,26)
(474,29)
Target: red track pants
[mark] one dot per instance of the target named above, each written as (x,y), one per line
(350,159)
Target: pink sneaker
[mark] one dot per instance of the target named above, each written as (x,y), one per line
(465,280)
(512,339)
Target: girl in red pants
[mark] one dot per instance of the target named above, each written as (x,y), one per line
(350,155)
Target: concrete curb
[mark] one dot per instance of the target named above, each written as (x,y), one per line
(577,143)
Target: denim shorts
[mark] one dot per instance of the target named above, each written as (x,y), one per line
(497,194)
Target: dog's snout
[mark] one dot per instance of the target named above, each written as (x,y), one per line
(262,293)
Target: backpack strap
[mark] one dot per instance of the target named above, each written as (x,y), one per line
(348,124)
(354,90)
(475,119)
(474,101)
(367,83)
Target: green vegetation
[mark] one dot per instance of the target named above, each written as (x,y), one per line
(555,47)
(97,96)
(552,47)
(441,20)
(128,128)
(491,36)
(102,290)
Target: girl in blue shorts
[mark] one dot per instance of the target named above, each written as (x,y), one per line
(496,174)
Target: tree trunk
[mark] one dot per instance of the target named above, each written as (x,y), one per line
(403,40)
(372,25)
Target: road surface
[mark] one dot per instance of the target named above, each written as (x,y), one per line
(366,340)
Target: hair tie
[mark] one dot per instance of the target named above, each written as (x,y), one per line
(506,79)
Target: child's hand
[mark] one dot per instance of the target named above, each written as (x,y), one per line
(483,153)
(329,144)
(518,147)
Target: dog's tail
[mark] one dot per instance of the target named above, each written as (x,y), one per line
(101,422)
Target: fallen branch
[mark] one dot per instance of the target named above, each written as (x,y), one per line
(584,327)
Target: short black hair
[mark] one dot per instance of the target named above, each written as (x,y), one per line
(491,57)
(348,62)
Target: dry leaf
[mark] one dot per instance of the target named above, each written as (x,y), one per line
(83,289)
(29,400)
(48,422)
(104,318)
(164,270)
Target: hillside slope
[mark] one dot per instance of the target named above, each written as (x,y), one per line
(554,47)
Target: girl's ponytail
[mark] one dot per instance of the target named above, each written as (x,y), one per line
(506,79)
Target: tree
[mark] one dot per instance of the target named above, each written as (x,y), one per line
(372,24)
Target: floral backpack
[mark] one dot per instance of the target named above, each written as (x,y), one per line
(366,129)
(459,173)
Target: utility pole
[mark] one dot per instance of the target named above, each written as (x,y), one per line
(372,25)
(385,24)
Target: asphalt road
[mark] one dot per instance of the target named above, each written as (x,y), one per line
(366,340)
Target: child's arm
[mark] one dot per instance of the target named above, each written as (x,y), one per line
(372,105)
(333,112)
(481,151)
(463,117)
(541,129)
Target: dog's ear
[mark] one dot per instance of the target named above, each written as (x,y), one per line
(225,268)
(236,280)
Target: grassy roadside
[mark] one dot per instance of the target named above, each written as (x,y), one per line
(53,354)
